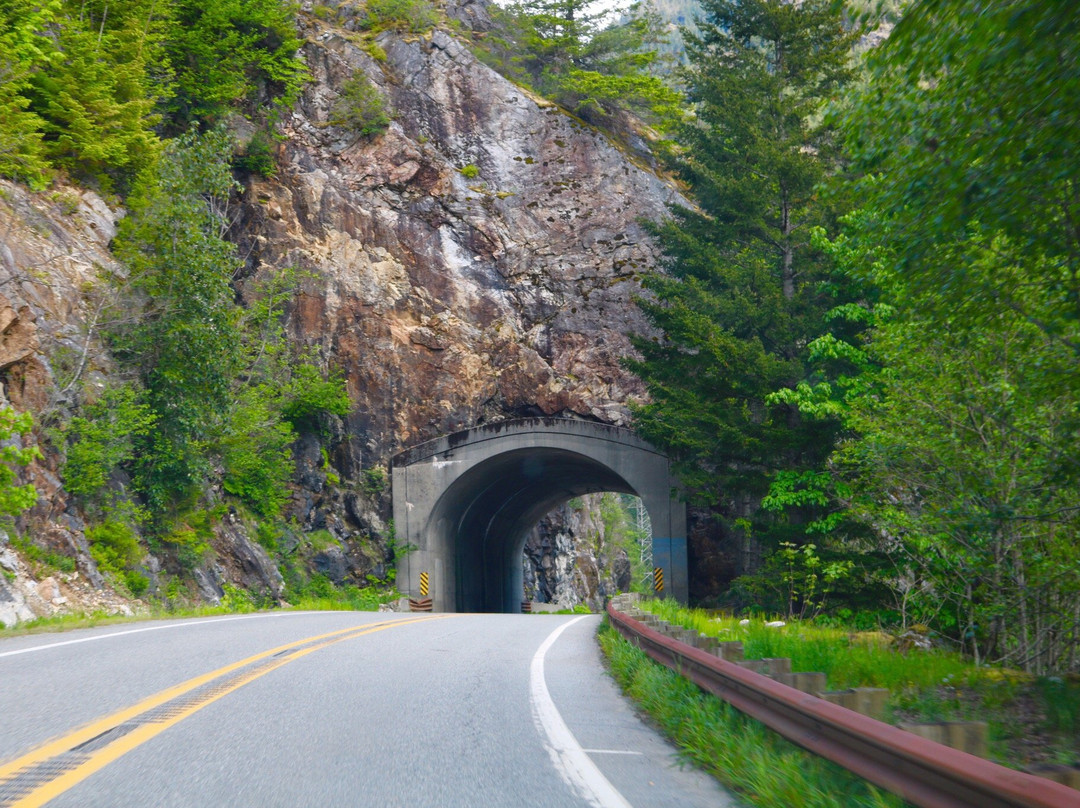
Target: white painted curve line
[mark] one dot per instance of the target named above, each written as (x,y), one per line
(570,760)
(186,624)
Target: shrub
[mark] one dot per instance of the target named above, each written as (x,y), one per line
(116,549)
(413,16)
(374,480)
(258,156)
(470,172)
(360,107)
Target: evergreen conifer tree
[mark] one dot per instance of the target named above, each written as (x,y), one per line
(742,289)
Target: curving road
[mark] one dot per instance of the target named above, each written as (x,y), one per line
(329,709)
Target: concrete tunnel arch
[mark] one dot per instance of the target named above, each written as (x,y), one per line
(464,504)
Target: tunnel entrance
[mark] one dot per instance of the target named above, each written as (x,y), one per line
(464,504)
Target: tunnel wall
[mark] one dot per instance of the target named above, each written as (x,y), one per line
(465,502)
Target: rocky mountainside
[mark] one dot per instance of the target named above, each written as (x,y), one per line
(476,261)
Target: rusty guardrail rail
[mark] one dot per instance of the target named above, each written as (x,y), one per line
(922,772)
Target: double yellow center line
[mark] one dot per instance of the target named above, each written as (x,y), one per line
(51,769)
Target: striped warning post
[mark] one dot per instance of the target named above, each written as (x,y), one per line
(423,584)
(658,579)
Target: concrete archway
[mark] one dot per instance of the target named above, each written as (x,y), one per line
(465,503)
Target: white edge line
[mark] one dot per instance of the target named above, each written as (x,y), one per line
(570,760)
(611,752)
(190,622)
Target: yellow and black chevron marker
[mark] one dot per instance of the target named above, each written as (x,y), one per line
(658,579)
(423,584)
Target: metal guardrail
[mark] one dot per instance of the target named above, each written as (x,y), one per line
(922,772)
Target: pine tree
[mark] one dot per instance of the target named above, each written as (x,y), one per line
(742,289)
(573,52)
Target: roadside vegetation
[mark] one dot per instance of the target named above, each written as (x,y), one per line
(743,754)
(868,364)
(1031,719)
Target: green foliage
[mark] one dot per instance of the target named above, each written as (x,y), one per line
(14,499)
(469,172)
(41,558)
(258,156)
(188,537)
(740,752)
(104,438)
(374,480)
(97,96)
(360,107)
(221,386)
(256,451)
(743,290)
(25,48)
(955,377)
(410,16)
(83,83)
(319,593)
(185,342)
(115,547)
(966,130)
(237,600)
(569,51)
(229,53)
(310,394)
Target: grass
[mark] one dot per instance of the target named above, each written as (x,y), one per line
(767,770)
(236,601)
(1030,719)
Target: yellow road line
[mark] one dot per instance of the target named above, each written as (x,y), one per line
(139,735)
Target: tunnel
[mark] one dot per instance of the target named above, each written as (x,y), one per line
(464,504)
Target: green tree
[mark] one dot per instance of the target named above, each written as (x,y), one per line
(25,49)
(573,52)
(969,128)
(14,499)
(743,290)
(184,341)
(97,95)
(962,404)
(232,53)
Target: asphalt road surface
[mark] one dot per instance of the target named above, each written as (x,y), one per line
(326,709)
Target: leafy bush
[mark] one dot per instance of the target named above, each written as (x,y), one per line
(470,172)
(360,107)
(116,549)
(308,394)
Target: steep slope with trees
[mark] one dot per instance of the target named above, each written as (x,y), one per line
(294,293)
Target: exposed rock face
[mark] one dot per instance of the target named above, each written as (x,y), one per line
(449,301)
(568,559)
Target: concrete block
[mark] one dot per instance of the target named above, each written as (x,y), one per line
(729,650)
(1066,775)
(755,665)
(967,736)
(812,682)
(775,666)
(869,701)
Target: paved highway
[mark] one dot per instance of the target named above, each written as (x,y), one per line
(329,709)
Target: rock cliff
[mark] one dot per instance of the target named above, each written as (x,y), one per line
(475,261)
